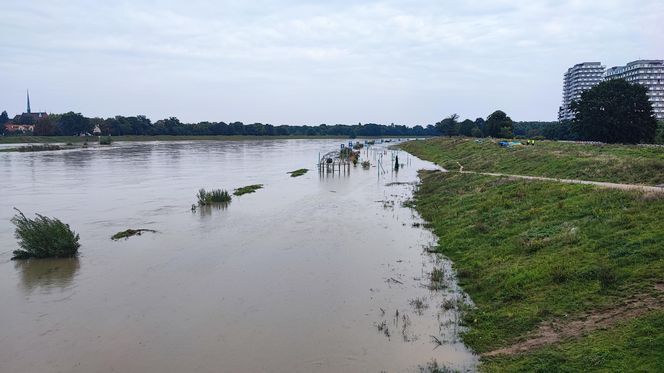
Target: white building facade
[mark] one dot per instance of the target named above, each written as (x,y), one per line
(578,79)
(649,73)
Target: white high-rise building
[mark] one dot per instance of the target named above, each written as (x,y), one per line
(578,78)
(649,73)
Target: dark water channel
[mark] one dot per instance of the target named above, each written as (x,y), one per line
(310,274)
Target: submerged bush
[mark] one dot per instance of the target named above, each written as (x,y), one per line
(299,172)
(247,189)
(43,237)
(130,233)
(105,140)
(213,196)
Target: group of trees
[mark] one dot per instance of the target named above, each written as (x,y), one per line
(613,111)
(498,124)
(74,124)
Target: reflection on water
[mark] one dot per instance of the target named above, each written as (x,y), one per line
(322,273)
(46,274)
(207,210)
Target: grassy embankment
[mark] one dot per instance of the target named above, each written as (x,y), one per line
(531,253)
(612,163)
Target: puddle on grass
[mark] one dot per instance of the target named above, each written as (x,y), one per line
(320,273)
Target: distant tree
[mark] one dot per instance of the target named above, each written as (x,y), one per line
(449,126)
(498,124)
(615,111)
(659,136)
(4,118)
(46,127)
(476,132)
(74,124)
(466,127)
(481,124)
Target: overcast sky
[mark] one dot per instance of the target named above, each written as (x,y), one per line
(297,62)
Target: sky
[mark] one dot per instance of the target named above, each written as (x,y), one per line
(312,62)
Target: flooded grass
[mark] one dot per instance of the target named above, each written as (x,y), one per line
(437,279)
(247,189)
(43,237)
(298,172)
(434,367)
(33,148)
(206,198)
(419,304)
(105,140)
(130,233)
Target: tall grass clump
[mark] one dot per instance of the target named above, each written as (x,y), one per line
(214,196)
(43,237)
(105,140)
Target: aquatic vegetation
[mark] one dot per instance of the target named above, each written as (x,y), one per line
(33,148)
(43,237)
(214,196)
(130,233)
(437,278)
(299,172)
(433,367)
(247,189)
(419,304)
(105,140)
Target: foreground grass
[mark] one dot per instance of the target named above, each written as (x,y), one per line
(634,346)
(613,163)
(530,251)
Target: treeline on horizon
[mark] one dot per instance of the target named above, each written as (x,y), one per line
(75,124)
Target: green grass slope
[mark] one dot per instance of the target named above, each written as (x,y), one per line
(613,163)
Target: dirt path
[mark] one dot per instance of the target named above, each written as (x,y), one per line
(603,184)
(557,330)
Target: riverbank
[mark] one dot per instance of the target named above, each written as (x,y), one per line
(94,139)
(564,277)
(611,163)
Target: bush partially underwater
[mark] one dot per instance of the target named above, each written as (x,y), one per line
(299,172)
(214,196)
(43,237)
(247,189)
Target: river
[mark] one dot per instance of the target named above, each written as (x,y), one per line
(318,273)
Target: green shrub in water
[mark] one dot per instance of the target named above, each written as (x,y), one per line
(213,196)
(43,237)
(247,189)
(299,172)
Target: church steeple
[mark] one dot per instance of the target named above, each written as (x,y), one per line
(28,94)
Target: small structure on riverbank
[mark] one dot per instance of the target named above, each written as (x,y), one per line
(337,161)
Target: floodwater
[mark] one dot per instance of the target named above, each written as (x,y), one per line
(319,273)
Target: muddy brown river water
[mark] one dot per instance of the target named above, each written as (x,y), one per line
(310,274)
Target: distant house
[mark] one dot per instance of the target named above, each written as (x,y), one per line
(26,121)
(14,127)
